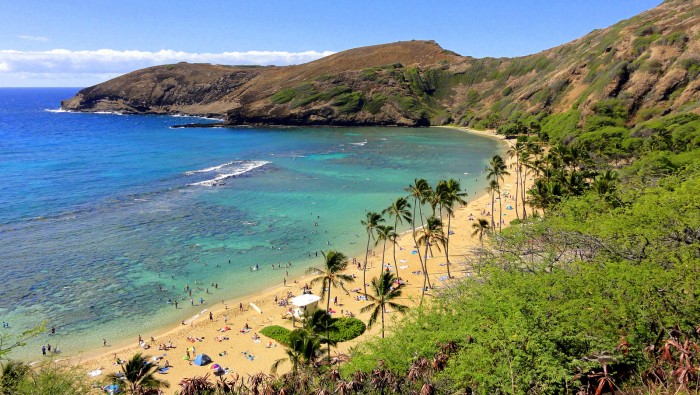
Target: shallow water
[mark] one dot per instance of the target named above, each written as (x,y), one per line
(100,212)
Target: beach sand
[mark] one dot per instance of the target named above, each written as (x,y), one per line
(234,353)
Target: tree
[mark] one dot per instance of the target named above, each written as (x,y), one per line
(605,183)
(373,219)
(451,193)
(400,211)
(480,227)
(139,373)
(431,233)
(7,343)
(496,171)
(384,294)
(384,234)
(13,373)
(304,349)
(319,323)
(492,188)
(334,263)
(418,191)
(515,151)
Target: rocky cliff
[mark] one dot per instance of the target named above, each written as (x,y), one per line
(650,62)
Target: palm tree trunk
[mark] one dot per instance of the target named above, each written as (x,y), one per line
(517,184)
(364,272)
(382,320)
(396,266)
(493,223)
(500,210)
(523,178)
(328,304)
(381,267)
(425,270)
(447,245)
(328,310)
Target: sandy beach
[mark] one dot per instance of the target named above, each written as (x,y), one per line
(240,354)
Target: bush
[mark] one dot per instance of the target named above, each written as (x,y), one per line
(277,332)
(345,329)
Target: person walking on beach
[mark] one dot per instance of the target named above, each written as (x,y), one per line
(192,301)
(43,350)
(211,316)
(176,304)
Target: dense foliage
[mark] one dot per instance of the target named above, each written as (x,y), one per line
(341,330)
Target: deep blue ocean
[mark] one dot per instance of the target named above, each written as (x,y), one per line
(99,212)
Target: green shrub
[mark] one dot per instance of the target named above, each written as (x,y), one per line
(277,332)
(349,102)
(374,104)
(558,126)
(344,329)
(283,96)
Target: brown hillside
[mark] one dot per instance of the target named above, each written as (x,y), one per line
(649,62)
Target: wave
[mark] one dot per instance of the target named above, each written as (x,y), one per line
(226,170)
(108,112)
(359,144)
(62,110)
(197,117)
(208,169)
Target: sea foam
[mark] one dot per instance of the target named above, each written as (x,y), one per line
(226,170)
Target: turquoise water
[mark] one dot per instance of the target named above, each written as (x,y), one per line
(99,212)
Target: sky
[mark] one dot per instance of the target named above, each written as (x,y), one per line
(79,43)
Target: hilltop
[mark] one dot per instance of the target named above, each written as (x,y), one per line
(648,62)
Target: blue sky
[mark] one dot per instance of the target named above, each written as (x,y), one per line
(81,43)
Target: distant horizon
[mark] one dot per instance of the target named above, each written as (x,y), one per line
(60,45)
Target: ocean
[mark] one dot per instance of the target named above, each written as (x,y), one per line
(104,218)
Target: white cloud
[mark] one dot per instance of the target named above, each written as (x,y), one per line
(33,38)
(68,64)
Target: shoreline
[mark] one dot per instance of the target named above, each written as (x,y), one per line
(229,314)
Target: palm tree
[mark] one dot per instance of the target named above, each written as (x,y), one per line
(304,349)
(605,182)
(480,227)
(384,295)
(370,224)
(384,233)
(139,372)
(400,210)
(496,171)
(451,193)
(334,263)
(322,322)
(431,233)
(514,151)
(13,372)
(492,188)
(524,167)
(419,190)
